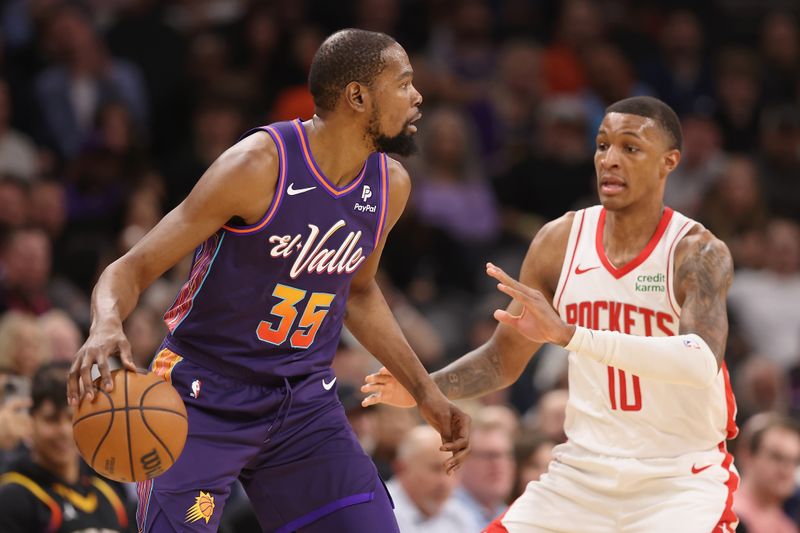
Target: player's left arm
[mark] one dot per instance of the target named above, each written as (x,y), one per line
(370,320)
(703,276)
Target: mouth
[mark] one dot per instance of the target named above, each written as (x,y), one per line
(611,185)
(411,122)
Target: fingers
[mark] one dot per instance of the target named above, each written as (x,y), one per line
(372,399)
(73,389)
(105,374)
(454,463)
(86,377)
(126,355)
(504,317)
(498,274)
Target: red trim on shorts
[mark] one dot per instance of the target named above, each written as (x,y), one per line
(496,526)
(572,259)
(671,263)
(643,255)
(728,520)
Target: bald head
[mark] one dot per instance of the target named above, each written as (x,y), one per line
(418,442)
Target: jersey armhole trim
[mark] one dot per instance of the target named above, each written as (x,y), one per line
(673,302)
(384,180)
(279,189)
(39,493)
(582,213)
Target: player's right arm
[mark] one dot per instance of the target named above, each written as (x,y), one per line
(499,362)
(240,183)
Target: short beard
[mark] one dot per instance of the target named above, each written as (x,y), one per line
(401,144)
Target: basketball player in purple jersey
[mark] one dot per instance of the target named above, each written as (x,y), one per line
(288,227)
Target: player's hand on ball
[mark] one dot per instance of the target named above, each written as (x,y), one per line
(106,340)
(382,387)
(538,320)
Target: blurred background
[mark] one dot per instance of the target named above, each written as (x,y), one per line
(110,110)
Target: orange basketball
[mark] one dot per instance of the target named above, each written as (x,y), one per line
(134,433)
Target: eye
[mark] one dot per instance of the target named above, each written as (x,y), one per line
(602,147)
(631,149)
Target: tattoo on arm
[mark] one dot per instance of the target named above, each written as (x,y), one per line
(473,375)
(706,275)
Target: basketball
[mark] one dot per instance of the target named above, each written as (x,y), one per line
(134,433)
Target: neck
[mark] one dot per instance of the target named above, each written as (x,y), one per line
(339,161)
(69,471)
(628,231)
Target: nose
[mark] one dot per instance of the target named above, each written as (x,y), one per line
(416,97)
(610,158)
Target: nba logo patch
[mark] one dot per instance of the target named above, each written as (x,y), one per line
(366,193)
(195,393)
(689,343)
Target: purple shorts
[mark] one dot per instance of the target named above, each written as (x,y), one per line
(289,444)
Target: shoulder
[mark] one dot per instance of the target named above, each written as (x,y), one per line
(541,267)
(701,257)
(399,179)
(700,245)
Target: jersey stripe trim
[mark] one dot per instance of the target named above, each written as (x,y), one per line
(279,188)
(643,255)
(144,492)
(175,316)
(384,180)
(582,214)
(673,303)
(35,489)
(164,364)
(325,510)
(728,520)
(730,403)
(314,169)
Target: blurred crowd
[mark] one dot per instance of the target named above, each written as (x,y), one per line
(110,110)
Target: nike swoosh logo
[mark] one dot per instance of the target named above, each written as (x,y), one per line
(328,386)
(291,191)
(696,470)
(579,270)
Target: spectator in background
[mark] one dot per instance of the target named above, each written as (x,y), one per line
(547,417)
(25,271)
(62,334)
(23,347)
(392,425)
(487,475)
(15,421)
(734,208)
(702,161)
(84,78)
(145,330)
(533,454)
(14,202)
(760,385)
(780,50)
(557,172)
(579,27)
(53,490)
(769,455)
(422,490)
(682,76)
(738,83)
(765,302)
(17,152)
(780,160)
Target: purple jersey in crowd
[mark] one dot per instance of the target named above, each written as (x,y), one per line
(268,300)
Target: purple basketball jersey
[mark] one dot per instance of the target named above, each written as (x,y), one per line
(268,300)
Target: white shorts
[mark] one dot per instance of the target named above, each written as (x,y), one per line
(589,493)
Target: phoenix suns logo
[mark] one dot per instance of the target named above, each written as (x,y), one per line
(202,509)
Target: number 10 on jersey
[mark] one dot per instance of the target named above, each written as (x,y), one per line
(276,332)
(618,390)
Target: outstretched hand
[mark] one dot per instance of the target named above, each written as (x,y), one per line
(538,320)
(451,423)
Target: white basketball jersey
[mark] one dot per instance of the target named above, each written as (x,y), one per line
(612,412)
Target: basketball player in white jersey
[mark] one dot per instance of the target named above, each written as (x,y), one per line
(636,292)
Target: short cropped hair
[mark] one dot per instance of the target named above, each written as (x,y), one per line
(756,434)
(50,384)
(649,107)
(346,56)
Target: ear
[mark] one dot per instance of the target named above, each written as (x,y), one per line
(671,160)
(357,96)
